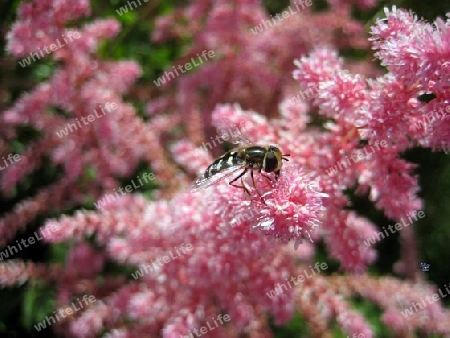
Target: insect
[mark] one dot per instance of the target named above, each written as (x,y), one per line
(426,97)
(247,157)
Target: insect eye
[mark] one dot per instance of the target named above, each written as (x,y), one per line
(270,162)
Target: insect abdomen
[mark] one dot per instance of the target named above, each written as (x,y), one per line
(227,160)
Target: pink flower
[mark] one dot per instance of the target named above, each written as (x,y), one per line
(41,22)
(85,260)
(184,258)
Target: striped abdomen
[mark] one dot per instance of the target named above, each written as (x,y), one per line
(229,159)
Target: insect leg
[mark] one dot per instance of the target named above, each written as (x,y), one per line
(256,188)
(244,186)
(240,177)
(268,177)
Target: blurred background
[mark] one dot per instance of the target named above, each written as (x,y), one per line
(23,306)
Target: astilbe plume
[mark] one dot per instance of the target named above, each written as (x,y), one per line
(239,71)
(81,83)
(171,298)
(134,232)
(237,239)
(416,54)
(387,108)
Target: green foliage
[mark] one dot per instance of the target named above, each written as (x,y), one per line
(25,306)
(297,327)
(133,41)
(433,231)
(38,302)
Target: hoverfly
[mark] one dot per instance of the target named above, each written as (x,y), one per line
(247,157)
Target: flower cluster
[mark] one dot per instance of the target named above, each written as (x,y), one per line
(235,261)
(81,85)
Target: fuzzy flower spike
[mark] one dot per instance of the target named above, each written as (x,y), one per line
(285,202)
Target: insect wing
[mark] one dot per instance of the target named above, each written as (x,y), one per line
(232,132)
(205,182)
